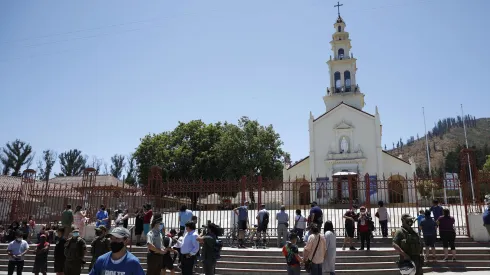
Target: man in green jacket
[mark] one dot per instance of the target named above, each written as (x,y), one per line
(408,244)
(208,251)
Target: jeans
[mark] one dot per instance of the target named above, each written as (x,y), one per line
(294,270)
(300,233)
(384,228)
(316,269)
(13,264)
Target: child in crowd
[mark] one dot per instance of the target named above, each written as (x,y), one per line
(420,217)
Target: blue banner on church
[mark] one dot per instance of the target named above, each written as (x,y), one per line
(373,185)
(321,190)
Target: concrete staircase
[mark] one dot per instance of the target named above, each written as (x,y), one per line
(471,256)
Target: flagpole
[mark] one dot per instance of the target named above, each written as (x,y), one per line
(468,155)
(427,149)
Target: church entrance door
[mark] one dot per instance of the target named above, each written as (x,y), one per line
(395,189)
(346,187)
(304,194)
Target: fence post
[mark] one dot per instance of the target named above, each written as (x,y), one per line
(367,182)
(243,187)
(259,189)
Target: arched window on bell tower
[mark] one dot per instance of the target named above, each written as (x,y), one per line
(340,53)
(347,81)
(338,84)
(339,28)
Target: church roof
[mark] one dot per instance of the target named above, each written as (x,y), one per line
(342,103)
(298,162)
(395,157)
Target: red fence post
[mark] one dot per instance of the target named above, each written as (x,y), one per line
(368,191)
(244,184)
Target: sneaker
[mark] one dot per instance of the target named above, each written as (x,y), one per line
(454,259)
(343,247)
(362,248)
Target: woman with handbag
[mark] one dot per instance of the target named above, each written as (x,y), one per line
(314,251)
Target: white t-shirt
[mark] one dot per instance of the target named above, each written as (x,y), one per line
(301,222)
(179,242)
(383,213)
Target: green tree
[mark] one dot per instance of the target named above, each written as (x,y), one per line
(131,170)
(486,166)
(72,163)
(117,165)
(45,164)
(15,155)
(196,150)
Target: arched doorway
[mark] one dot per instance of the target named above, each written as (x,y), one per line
(304,194)
(396,189)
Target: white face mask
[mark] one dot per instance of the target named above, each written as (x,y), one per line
(75,234)
(19,239)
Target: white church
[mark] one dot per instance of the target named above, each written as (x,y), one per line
(345,144)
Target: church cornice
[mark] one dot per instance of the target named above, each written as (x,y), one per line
(343,104)
(356,160)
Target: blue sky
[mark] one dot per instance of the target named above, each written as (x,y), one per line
(99,75)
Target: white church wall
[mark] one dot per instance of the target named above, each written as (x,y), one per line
(394,166)
(363,136)
(296,172)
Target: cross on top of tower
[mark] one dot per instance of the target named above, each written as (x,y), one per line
(338,7)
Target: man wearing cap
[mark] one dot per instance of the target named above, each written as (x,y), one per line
(118,261)
(316,215)
(75,249)
(407,243)
(242,213)
(100,245)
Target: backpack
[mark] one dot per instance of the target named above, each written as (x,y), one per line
(217,249)
(265,219)
(167,241)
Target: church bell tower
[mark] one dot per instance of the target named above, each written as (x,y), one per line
(342,68)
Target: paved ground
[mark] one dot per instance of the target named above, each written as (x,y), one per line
(468,273)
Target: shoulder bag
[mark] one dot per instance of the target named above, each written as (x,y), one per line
(309,262)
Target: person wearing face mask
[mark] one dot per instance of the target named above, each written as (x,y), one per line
(154,241)
(100,245)
(16,251)
(102,217)
(364,224)
(75,249)
(407,243)
(118,260)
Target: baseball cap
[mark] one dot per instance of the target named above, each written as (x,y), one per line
(407,216)
(42,235)
(101,227)
(120,233)
(245,202)
(314,202)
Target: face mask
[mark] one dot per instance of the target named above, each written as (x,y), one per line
(19,240)
(98,233)
(161,227)
(75,234)
(409,222)
(116,246)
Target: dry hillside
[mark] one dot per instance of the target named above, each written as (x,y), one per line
(439,147)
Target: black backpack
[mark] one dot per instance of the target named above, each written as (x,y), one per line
(166,241)
(265,219)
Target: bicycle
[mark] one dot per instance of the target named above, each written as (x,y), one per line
(255,237)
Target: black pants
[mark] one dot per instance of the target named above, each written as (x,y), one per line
(177,254)
(384,228)
(188,264)
(154,263)
(13,264)
(208,267)
(448,239)
(365,239)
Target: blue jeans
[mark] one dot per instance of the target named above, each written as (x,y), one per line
(294,270)
(316,269)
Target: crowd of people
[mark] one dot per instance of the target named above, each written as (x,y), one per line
(190,244)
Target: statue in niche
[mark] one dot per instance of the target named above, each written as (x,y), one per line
(344,146)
